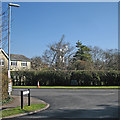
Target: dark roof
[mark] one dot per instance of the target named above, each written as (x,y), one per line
(19,57)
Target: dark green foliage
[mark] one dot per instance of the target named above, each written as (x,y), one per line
(7,100)
(63,78)
(82,52)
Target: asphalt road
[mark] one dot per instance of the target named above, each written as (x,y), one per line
(76,103)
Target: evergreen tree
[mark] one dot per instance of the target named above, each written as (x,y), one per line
(82,52)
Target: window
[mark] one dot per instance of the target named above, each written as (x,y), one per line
(2,62)
(13,63)
(24,64)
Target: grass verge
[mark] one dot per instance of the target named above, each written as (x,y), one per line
(18,110)
(71,87)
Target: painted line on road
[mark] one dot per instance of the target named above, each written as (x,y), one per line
(97,94)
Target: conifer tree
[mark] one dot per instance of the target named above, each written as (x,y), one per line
(82,52)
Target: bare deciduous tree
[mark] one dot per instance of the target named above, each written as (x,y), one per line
(37,63)
(57,55)
(104,59)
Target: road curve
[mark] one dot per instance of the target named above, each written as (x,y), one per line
(76,103)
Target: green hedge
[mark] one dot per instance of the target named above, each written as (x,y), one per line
(63,78)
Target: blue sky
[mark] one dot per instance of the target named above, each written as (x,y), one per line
(38,24)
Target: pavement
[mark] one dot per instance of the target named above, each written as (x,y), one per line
(17,102)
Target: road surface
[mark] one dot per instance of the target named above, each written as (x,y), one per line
(76,103)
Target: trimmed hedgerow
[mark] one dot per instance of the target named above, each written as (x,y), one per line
(63,78)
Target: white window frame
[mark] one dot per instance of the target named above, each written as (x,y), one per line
(14,62)
(2,62)
(23,64)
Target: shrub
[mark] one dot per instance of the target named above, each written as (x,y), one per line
(63,78)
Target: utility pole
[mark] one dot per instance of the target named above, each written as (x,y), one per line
(9,27)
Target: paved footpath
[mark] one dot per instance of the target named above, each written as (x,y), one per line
(17,102)
(76,103)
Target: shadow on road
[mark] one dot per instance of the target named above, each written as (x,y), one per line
(105,111)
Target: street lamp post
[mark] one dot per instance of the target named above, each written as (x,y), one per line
(9,77)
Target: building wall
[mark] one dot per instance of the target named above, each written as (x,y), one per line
(19,67)
(2,56)
(14,68)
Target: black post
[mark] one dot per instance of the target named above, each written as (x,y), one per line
(13,82)
(29,97)
(21,99)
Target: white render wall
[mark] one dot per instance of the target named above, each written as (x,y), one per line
(19,67)
(2,56)
(14,68)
